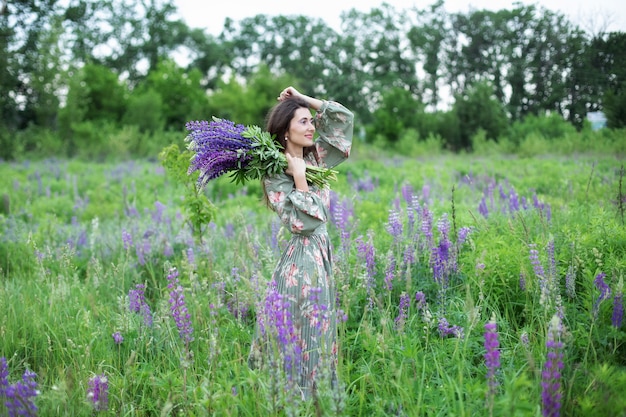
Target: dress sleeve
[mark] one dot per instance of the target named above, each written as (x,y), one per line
(334,125)
(300,211)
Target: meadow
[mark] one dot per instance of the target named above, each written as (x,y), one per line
(469,285)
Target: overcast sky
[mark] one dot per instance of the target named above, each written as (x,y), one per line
(590,15)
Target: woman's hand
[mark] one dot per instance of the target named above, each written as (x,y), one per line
(296,167)
(291,92)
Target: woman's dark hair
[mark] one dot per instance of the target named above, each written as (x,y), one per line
(279,118)
(277,124)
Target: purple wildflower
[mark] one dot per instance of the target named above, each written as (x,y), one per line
(367,252)
(4,375)
(618,310)
(463,234)
(570,282)
(390,273)
(137,303)
(420,300)
(127,240)
(276,321)
(482,208)
(492,354)
(604,289)
(98,392)
(405,302)
(522,281)
(446,329)
(217,147)
(394,225)
(551,374)
(117,338)
(18,397)
(178,308)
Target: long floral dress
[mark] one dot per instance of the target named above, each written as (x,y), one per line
(300,309)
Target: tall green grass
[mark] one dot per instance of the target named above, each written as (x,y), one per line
(66,275)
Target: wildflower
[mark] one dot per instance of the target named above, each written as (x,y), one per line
(446,329)
(405,302)
(117,338)
(604,289)
(570,282)
(551,374)
(127,240)
(492,354)
(391,270)
(178,308)
(420,300)
(394,224)
(98,392)
(138,304)
(18,397)
(276,321)
(222,146)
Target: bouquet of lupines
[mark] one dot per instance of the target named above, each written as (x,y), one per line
(248,153)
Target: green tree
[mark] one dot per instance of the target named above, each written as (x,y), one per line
(397,112)
(181,92)
(476,109)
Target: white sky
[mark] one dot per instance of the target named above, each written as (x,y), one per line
(590,15)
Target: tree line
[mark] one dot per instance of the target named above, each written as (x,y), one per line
(86,73)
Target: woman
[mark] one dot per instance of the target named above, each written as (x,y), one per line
(303,278)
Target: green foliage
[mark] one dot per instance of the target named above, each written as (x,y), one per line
(477,108)
(200,211)
(145,110)
(182,97)
(549,126)
(62,241)
(248,103)
(105,94)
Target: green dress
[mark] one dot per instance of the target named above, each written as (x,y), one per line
(302,283)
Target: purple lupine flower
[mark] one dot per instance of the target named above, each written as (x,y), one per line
(117,338)
(446,329)
(367,252)
(178,308)
(4,375)
(570,282)
(605,291)
(522,281)
(390,273)
(98,392)
(420,300)
(403,308)
(137,303)
(217,146)
(157,215)
(427,225)
(492,354)
(463,234)
(533,255)
(394,225)
(618,310)
(551,374)
(482,208)
(341,213)
(18,397)
(276,321)
(191,259)
(127,239)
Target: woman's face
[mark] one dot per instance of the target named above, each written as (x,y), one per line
(301,129)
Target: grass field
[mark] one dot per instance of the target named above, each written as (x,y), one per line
(471,286)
